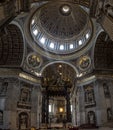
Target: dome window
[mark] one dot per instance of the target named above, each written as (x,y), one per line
(33,21)
(52,45)
(80,42)
(87,35)
(61,47)
(35,32)
(71,46)
(42,40)
(64,32)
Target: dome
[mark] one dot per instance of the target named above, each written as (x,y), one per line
(60,27)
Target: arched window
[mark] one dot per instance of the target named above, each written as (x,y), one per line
(1,117)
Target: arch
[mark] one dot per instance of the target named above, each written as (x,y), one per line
(103,52)
(59,73)
(19,25)
(64,62)
(11,47)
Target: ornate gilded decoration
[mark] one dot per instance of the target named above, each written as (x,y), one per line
(84,62)
(33,60)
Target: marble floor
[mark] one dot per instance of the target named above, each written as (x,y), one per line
(101,128)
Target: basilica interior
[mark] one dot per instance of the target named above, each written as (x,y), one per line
(56,64)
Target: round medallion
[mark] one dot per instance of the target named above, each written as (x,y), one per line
(84,62)
(33,60)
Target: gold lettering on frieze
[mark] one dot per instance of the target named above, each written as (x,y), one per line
(27,77)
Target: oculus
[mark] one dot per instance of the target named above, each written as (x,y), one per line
(65,10)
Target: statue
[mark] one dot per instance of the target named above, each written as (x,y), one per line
(109,114)
(106,90)
(108,9)
(91,117)
(3,88)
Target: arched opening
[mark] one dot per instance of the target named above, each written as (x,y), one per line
(11,47)
(58,80)
(103,54)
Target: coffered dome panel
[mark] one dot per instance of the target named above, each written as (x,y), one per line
(11,47)
(62,20)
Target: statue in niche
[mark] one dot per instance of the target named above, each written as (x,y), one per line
(89,95)
(91,117)
(106,90)
(23,120)
(109,10)
(25,95)
(100,8)
(109,114)
(105,7)
(3,88)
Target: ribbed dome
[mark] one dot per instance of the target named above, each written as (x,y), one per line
(63,20)
(60,27)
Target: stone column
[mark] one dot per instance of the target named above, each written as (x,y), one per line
(46,107)
(35,106)
(39,109)
(43,107)
(68,105)
(111,95)
(82,105)
(100,103)
(68,109)
(10,107)
(73,109)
